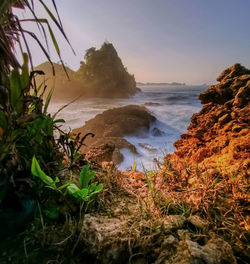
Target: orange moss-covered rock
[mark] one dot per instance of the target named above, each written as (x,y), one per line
(218,135)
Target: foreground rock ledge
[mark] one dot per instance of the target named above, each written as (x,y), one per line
(121,238)
(218,135)
(109,129)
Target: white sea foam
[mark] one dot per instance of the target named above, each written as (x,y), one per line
(172,106)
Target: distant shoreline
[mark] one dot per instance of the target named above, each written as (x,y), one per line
(161,84)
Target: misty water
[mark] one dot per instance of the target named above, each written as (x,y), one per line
(171,105)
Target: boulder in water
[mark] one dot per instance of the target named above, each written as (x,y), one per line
(152,104)
(147,147)
(156,132)
(109,129)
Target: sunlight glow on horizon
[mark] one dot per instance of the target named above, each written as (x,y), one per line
(160,41)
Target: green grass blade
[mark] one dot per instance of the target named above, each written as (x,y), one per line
(38,172)
(56,22)
(48,100)
(54,40)
(5,4)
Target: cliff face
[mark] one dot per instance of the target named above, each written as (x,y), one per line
(209,170)
(218,135)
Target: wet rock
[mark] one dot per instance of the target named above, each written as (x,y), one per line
(147,147)
(117,157)
(152,104)
(109,129)
(108,149)
(156,132)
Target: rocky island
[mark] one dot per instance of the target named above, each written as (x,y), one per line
(101,74)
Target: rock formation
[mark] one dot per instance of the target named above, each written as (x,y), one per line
(112,239)
(209,170)
(109,129)
(102,75)
(64,88)
(219,134)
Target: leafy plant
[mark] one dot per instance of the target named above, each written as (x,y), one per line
(26,129)
(86,189)
(84,192)
(38,172)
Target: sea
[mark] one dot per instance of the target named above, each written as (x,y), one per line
(172,105)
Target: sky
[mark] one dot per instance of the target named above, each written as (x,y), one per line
(189,41)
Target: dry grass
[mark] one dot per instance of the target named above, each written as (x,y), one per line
(213,193)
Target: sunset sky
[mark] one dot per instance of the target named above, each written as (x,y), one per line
(188,41)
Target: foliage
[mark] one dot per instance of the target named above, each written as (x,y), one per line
(26,129)
(85,191)
(104,72)
(13,32)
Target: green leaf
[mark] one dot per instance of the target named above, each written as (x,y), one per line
(48,99)
(92,187)
(83,193)
(64,186)
(59,121)
(52,212)
(54,40)
(15,90)
(57,180)
(25,78)
(37,171)
(73,189)
(56,22)
(86,176)
(83,174)
(76,156)
(97,190)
